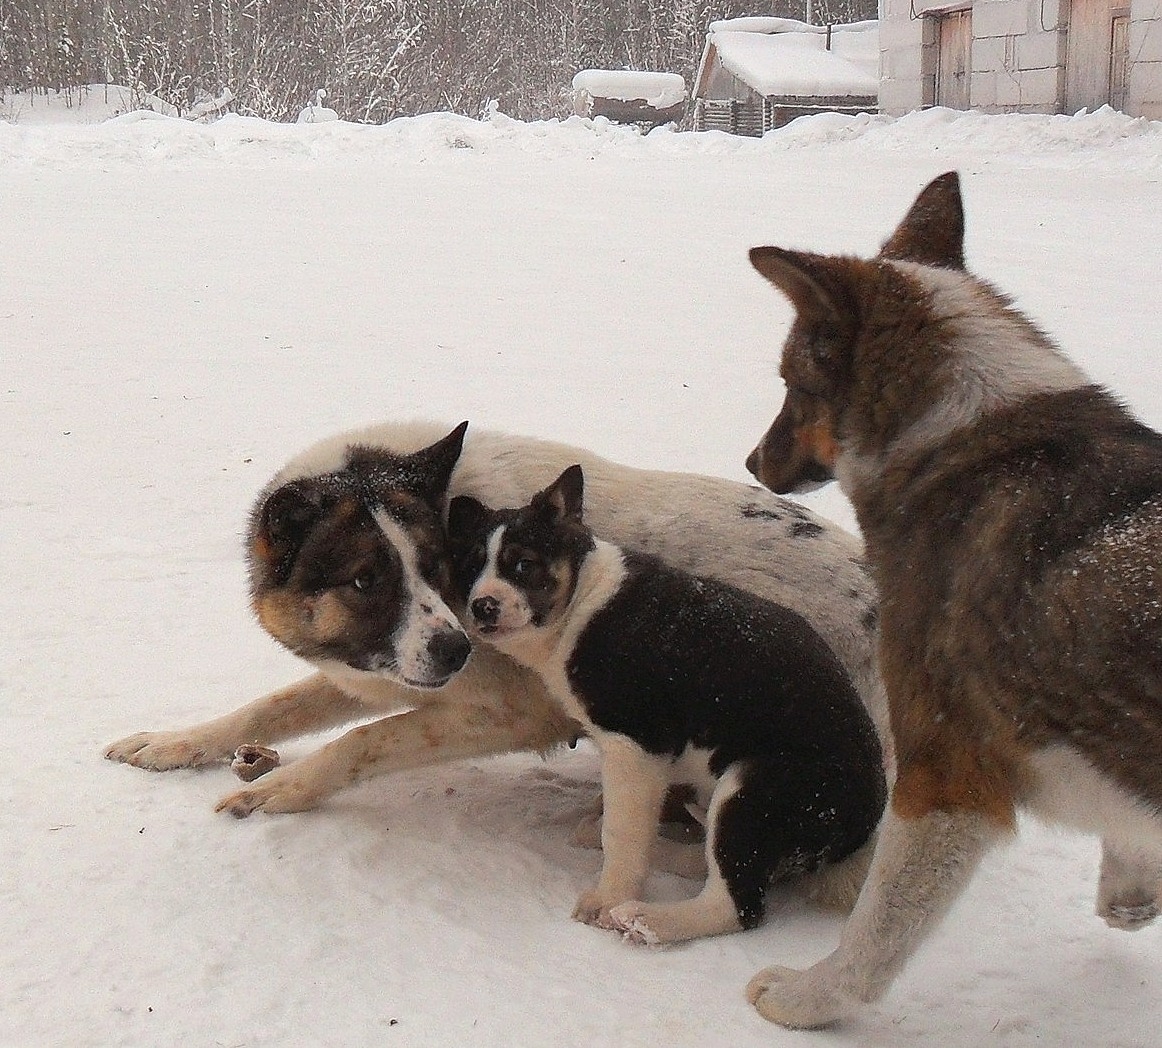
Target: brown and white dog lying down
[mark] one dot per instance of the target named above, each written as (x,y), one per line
(1012,511)
(348,570)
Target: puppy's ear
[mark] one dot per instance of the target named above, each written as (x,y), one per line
(427,472)
(932,232)
(565,496)
(281,524)
(466,516)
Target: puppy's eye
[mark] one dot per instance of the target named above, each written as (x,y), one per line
(364,582)
(524,567)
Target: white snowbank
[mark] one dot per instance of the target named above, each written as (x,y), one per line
(135,138)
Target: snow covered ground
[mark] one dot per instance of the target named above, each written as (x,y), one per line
(182,307)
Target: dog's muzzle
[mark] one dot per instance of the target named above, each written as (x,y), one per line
(448,652)
(485,613)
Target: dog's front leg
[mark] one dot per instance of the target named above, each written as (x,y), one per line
(311,704)
(1129,889)
(920,866)
(633,785)
(518,719)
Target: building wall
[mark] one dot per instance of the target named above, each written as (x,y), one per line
(1031,76)
(1144,97)
(1019,50)
(907,73)
(1018,54)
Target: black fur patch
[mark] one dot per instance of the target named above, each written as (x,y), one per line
(752,511)
(674,661)
(806,529)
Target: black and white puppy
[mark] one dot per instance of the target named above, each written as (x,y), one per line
(679,679)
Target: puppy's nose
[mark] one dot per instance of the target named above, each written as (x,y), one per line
(449,651)
(752,463)
(486,610)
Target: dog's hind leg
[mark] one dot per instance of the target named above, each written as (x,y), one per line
(309,705)
(921,864)
(1129,889)
(716,909)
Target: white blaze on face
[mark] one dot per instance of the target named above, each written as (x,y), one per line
(513,611)
(424,615)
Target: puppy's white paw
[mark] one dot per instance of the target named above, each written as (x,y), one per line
(632,920)
(800,1000)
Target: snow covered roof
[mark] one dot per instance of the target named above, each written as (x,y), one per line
(781,56)
(660,90)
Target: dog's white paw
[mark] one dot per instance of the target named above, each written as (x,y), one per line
(162,751)
(632,920)
(800,1000)
(593,908)
(278,792)
(1129,917)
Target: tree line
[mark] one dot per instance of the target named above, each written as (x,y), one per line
(377,59)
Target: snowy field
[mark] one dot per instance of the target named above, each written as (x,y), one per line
(182,307)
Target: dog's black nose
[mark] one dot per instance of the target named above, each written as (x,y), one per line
(486,610)
(752,463)
(449,651)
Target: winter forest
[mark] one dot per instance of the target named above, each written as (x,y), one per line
(376,59)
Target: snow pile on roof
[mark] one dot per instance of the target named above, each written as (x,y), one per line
(779,56)
(660,90)
(771,24)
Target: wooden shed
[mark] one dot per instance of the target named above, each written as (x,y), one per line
(630,96)
(761,73)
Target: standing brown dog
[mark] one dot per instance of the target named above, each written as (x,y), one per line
(1012,511)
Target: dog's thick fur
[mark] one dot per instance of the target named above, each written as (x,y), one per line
(357,510)
(680,680)
(1012,512)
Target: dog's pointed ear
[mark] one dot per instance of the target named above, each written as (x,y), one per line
(466,516)
(932,232)
(428,471)
(822,288)
(281,525)
(564,498)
